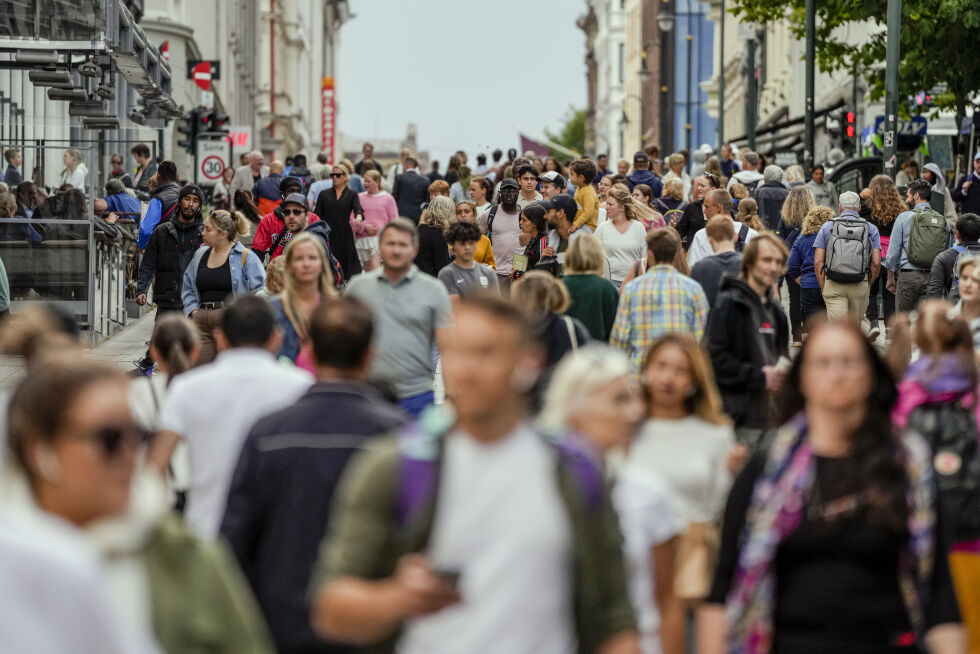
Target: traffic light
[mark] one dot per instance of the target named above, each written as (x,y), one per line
(217,122)
(848,130)
(194,124)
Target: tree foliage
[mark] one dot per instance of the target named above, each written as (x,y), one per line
(937,43)
(572,134)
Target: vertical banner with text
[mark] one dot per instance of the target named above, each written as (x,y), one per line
(329,117)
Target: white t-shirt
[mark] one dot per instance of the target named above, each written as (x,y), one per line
(213,408)
(502,525)
(622,249)
(690,456)
(701,247)
(646,521)
(505,240)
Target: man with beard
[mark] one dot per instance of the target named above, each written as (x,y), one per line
(502,225)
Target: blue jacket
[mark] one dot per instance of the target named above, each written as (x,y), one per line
(267,187)
(801,262)
(290,339)
(249,280)
(124,203)
(648,178)
(162,206)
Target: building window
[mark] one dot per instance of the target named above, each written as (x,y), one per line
(622,62)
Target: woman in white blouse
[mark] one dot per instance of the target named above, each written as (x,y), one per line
(623,235)
(593,394)
(689,444)
(75,170)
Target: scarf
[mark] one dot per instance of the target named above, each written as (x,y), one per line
(778,503)
(942,378)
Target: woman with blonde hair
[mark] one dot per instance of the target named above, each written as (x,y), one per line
(739,192)
(433,253)
(592,399)
(748,214)
(671,199)
(379,210)
(795,177)
(624,234)
(307,281)
(593,299)
(338,207)
(75,170)
(800,267)
(797,205)
(221,269)
(688,443)
(275,273)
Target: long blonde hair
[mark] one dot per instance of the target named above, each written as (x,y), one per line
(633,209)
(290,293)
(798,203)
(440,213)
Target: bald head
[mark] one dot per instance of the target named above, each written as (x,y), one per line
(276,167)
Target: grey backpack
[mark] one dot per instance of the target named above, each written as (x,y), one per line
(848,254)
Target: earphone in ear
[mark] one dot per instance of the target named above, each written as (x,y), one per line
(48,465)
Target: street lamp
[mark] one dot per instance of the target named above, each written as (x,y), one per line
(665,21)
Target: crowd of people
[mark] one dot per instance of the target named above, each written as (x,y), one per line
(529,406)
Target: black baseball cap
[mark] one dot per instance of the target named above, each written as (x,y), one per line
(562,202)
(641,156)
(509,182)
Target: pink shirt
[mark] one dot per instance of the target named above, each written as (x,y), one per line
(379,210)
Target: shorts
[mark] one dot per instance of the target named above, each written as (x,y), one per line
(367,247)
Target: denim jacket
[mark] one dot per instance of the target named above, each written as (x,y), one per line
(247,279)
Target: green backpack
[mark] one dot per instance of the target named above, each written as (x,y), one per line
(928,237)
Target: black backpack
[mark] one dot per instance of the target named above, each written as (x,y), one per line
(743,232)
(951,430)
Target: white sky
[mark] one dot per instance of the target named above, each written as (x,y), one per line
(432,62)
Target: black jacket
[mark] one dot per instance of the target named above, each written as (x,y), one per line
(969,202)
(690,222)
(943,267)
(281,495)
(433,253)
(743,335)
(770,197)
(170,248)
(411,190)
(168,194)
(148,172)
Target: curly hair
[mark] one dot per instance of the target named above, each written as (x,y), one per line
(815,218)
(885,201)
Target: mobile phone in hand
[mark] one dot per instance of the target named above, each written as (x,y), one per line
(448,576)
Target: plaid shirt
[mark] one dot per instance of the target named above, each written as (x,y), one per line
(662,301)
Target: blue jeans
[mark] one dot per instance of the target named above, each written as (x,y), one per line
(811,301)
(416,404)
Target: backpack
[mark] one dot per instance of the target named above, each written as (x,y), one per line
(928,237)
(670,213)
(493,212)
(848,259)
(743,232)
(750,186)
(951,430)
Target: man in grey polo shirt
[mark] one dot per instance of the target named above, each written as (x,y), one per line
(412,313)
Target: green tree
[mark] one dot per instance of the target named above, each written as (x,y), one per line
(572,134)
(936,44)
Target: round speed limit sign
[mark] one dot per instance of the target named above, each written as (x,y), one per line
(212,167)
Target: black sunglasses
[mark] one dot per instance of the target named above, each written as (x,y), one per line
(293,212)
(336,174)
(112,439)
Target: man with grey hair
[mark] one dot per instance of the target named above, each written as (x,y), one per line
(771,196)
(412,313)
(118,201)
(846,275)
(749,176)
(247,176)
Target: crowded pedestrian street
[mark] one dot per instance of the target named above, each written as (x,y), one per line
(327,328)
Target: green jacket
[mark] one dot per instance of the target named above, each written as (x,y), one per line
(366,541)
(201,602)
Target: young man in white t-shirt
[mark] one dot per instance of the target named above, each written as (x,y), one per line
(506,559)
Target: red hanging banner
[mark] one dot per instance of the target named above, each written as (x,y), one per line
(329,117)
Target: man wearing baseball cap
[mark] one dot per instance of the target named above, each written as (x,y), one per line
(551,184)
(272,234)
(643,175)
(502,225)
(561,215)
(967,193)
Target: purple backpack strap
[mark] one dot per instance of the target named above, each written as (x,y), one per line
(584,470)
(418,467)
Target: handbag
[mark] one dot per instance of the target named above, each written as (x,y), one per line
(697,552)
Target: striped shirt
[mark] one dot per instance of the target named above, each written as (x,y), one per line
(662,301)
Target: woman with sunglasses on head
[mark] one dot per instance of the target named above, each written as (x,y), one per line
(76,449)
(307,282)
(379,210)
(832,541)
(592,398)
(221,268)
(338,206)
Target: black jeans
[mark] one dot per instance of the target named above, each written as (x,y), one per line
(812,304)
(795,309)
(887,300)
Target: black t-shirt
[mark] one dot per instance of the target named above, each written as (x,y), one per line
(213,284)
(837,584)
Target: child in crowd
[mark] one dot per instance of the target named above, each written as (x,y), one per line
(464,276)
(586,198)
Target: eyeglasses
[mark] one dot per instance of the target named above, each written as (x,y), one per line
(335,175)
(112,439)
(294,212)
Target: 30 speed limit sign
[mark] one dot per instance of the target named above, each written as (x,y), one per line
(212,159)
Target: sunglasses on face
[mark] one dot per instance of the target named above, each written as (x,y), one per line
(336,175)
(112,439)
(294,212)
